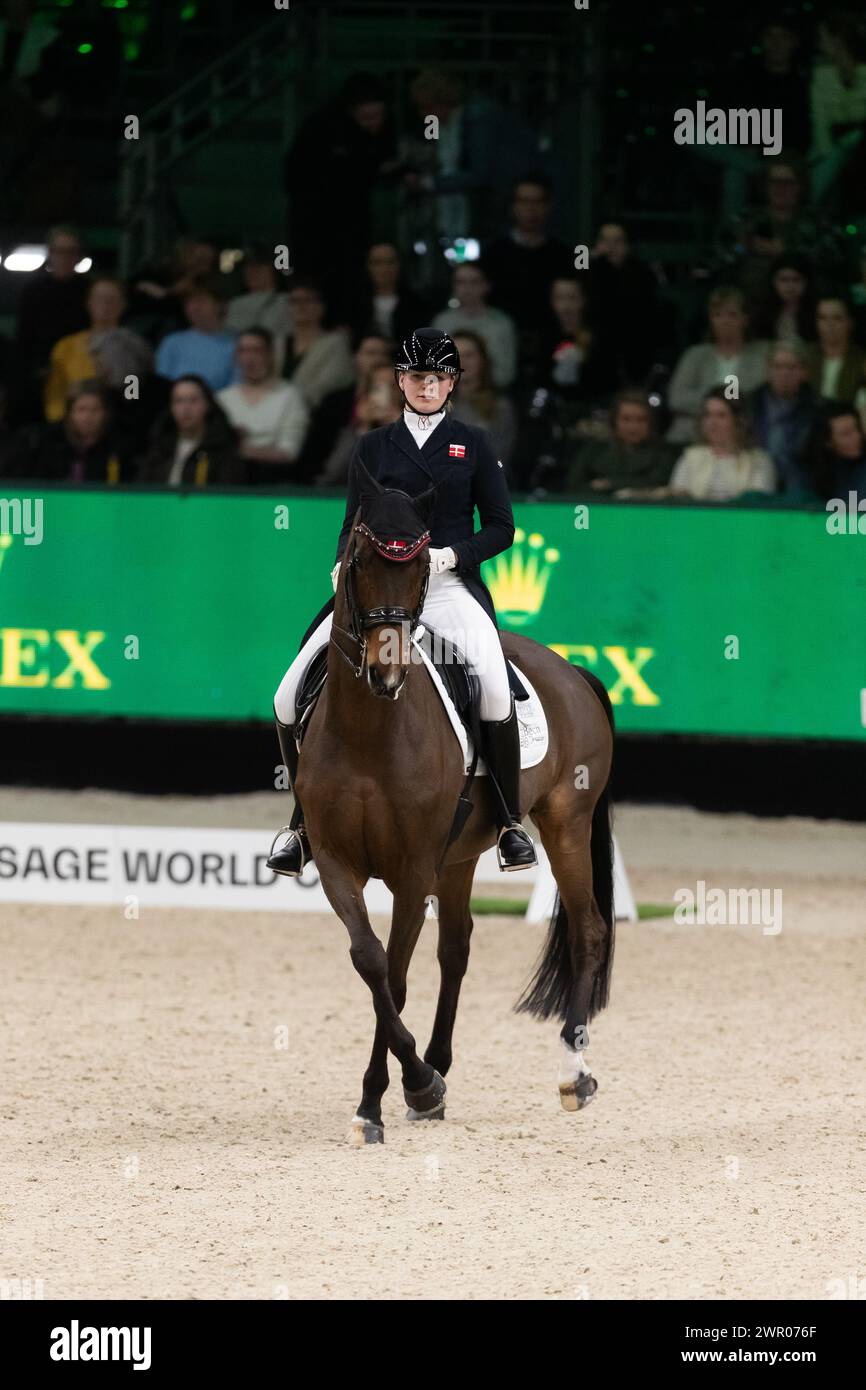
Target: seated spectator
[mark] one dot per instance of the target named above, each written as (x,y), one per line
(156,300)
(338,410)
(468,310)
(724,465)
(192,444)
(386,307)
(83,447)
(103,350)
(783,413)
(633,462)
(727,354)
(787,313)
(270,415)
(782,225)
(476,400)
(522,266)
(381,404)
(265,303)
(623,307)
(204,349)
(569,361)
(316,360)
(840,462)
(836,364)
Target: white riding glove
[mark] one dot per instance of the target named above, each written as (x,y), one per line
(334,572)
(441,560)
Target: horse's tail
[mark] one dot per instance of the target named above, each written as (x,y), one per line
(548,993)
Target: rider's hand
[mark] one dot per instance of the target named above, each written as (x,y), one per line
(334,572)
(441,560)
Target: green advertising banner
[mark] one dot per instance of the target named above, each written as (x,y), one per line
(191,606)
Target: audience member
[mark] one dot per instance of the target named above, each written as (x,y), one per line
(840,464)
(726,355)
(783,413)
(192,443)
(381,404)
(464,174)
(385,304)
(623,307)
(204,349)
(787,313)
(838,97)
(836,364)
(270,416)
(569,365)
(469,310)
(52,303)
(83,447)
(339,409)
(104,350)
(522,266)
(339,155)
(783,225)
(156,300)
(724,464)
(634,462)
(265,303)
(777,79)
(477,401)
(316,360)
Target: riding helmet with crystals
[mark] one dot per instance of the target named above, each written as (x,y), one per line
(428,350)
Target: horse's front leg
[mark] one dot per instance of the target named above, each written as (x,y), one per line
(344,891)
(406,923)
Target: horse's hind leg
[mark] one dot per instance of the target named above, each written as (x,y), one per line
(583,940)
(454,889)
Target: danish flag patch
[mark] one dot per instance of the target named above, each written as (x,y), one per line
(456,451)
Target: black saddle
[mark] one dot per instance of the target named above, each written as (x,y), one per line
(462,684)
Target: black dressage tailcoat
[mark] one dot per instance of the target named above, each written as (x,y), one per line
(473,479)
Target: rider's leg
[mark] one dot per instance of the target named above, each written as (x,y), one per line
(451,610)
(295,853)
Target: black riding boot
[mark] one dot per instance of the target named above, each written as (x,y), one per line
(500,744)
(295,853)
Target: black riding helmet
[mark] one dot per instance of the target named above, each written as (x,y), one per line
(427,350)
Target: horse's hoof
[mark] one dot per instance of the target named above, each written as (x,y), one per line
(428,1104)
(366,1132)
(577,1094)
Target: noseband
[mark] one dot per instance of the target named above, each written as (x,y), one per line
(362,619)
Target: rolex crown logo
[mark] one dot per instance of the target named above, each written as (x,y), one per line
(517,579)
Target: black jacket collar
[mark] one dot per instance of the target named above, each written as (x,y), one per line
(443,435)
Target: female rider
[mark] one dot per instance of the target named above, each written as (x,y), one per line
(426,444)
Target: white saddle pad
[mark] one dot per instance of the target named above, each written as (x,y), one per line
(531,719)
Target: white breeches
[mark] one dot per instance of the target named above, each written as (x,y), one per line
(452,612)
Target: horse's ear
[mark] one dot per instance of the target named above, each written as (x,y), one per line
(367,485)
(425,501)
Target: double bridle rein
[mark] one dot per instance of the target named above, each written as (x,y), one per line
(362,619)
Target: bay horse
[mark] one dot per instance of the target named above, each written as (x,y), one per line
(379,779)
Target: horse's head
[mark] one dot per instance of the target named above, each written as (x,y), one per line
(384,576)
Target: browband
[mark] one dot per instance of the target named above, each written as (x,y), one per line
(394,548)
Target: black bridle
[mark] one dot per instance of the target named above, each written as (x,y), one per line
(362,619)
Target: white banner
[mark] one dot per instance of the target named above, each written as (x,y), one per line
(168,866)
